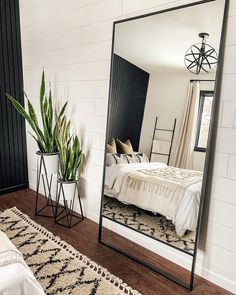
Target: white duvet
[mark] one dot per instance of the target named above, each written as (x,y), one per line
(15,276)
(184,215)
(16,279)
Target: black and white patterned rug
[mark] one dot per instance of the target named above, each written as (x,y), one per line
(57,266)
(156,226)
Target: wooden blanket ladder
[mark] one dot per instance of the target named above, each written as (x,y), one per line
(170,143)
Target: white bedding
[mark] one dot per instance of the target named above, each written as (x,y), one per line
(15,279)
(183,215)
(15,276)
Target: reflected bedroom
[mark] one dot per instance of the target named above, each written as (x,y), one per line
(159,121)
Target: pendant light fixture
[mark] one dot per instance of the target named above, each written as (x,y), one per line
(201,57)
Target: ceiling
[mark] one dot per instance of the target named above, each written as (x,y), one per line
(158,43)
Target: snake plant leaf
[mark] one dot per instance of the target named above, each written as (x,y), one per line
(50,110)
(67,130)
(33,117)
(30,120)
(22,111)
(42,91)
(71,160)
(62,110)
(39,142)
(45,121)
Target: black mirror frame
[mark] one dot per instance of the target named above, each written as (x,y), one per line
(206,175)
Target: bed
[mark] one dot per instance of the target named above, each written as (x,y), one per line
(15,276)
(156,187)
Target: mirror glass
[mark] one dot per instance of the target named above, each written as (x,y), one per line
(161,98)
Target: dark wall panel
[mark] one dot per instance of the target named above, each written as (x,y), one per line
(13,157)
(128,97)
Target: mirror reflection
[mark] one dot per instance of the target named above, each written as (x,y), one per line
(162,92)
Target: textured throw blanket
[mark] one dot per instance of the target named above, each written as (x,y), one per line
(167,182)
(172,192)
(8,252)
(169,191)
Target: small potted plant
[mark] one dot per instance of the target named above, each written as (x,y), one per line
(70,160)
(71,157)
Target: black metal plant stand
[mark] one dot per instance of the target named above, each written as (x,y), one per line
(70,219)
(47,187)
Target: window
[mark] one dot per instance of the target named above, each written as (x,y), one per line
(203,122)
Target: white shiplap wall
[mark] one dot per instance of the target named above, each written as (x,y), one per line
(72,41)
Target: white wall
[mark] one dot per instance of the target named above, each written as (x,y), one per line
(72,41)
(166,98)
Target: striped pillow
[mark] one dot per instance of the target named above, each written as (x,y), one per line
(113,159)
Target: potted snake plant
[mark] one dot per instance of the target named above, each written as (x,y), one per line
(71,157)
(46,136)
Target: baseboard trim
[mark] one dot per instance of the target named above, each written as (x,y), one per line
(92,216)
(13,189)
(216,278)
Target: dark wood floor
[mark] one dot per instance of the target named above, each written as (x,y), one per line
(83,237)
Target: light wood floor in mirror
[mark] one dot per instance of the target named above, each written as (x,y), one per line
(83,237)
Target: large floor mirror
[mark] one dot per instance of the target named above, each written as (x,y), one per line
(165,76)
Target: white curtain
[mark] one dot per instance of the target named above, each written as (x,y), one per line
(185,147)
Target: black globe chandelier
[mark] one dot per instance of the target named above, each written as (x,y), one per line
(201,57)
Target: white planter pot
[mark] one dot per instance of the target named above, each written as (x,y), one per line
(51,162)
(69,189)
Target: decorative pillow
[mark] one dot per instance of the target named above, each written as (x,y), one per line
(121,158)
(124,147)
(110,159)
(137,158)
(111,146)
(113,159)
(143,158)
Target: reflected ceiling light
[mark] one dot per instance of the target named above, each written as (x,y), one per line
(201,57)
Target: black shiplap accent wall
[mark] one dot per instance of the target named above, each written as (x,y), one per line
(128,98)
(13,157)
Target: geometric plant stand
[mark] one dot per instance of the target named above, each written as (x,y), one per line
(45,172)
(68,192)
